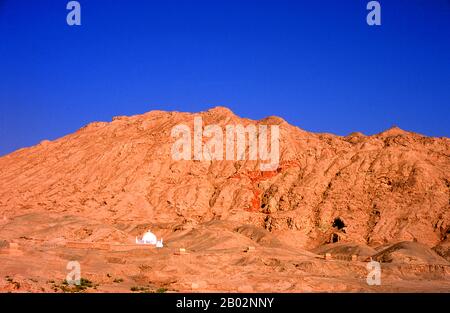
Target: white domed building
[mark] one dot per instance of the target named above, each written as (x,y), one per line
(149,239)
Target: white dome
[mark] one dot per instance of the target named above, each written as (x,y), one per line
(149,237)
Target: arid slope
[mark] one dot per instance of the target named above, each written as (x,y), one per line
(109,182)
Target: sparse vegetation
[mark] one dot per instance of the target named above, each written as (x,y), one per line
(145,289)
(118,280)
(84,285)
(140,289)
(11,281)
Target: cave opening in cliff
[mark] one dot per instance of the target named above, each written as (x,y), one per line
(334,238)
(338,223)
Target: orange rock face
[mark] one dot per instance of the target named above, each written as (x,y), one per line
(108,181)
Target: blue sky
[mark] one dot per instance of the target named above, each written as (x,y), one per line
(317,64)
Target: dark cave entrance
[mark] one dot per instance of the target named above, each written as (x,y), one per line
(339,224)
(334,238)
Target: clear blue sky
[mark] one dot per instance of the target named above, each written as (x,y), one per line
(316,63)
